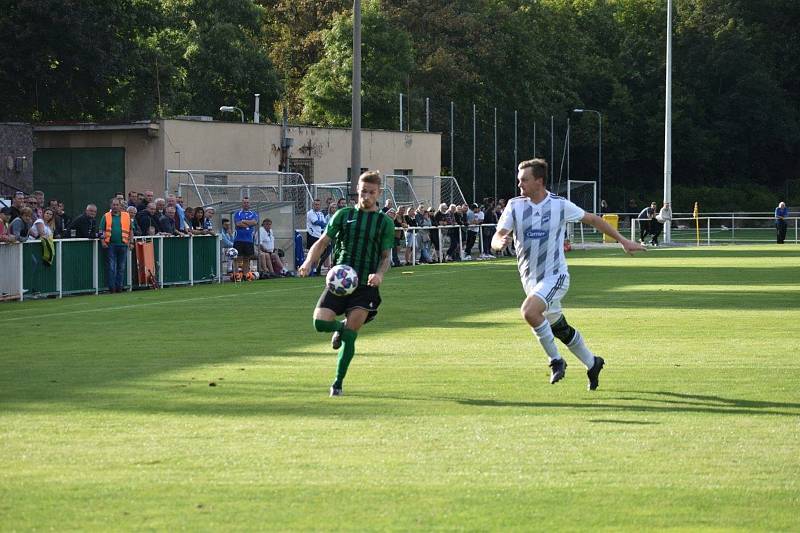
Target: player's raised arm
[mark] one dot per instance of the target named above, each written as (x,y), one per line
(501,239)
(601,225)
(313,256)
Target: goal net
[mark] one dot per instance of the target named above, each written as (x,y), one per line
(583,194)
(223,189)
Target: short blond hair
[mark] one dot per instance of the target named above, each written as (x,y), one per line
(371,176)
(538,167)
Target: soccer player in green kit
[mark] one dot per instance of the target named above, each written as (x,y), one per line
(362,237)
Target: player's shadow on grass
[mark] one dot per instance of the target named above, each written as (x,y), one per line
(672,407)
(701,399)
(620,288)
(623,422)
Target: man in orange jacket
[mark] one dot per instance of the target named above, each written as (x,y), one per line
(116,236)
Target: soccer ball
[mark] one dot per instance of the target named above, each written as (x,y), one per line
(251,276)
(232,253)
(342,280)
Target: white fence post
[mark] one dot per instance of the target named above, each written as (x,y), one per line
(191,260)
(413,245)
(219,259)
(161,260)
(129,269)
(95,274)
(21,271)
(59,270)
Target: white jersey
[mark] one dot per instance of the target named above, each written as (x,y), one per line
(539,234)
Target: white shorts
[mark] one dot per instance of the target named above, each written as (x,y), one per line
(550,290)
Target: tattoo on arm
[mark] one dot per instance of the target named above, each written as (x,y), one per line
(386,262)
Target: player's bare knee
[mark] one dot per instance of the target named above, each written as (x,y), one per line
(532,316)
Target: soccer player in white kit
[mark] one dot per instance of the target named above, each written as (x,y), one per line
(538,220)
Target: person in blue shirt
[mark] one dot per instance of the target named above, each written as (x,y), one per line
(245,222)
(781,212)
(225,236)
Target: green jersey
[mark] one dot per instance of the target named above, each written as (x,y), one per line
(359,239)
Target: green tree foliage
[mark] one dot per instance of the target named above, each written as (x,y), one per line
(294,30)
(132,59)
(386,62)
(736,85)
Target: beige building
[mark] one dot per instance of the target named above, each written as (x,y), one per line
(89,162)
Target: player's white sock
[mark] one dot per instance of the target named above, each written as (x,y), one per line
(544,333)
(578,347)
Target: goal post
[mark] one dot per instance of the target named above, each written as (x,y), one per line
(582,193)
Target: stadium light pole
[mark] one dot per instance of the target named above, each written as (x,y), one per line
(231,109)
(668,125)
(599,198)
(355,141)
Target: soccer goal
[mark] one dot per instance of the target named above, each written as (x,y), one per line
(429,190)
(225,188)
(583,194)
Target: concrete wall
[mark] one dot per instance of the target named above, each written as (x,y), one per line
(380,150)
(236,146)
(16,157)
(189,144)
(144,160)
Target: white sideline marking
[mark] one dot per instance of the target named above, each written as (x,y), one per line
(202,298)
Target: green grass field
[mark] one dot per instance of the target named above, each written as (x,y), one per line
(108,422)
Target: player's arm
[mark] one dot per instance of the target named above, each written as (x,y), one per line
(501,239)
(601,225)
(376,279)
(313,256)
(386,243)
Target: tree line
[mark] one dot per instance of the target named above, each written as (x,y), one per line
(736,85)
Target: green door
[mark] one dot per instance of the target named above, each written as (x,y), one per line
(79,176)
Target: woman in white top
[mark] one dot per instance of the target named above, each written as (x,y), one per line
(42,228)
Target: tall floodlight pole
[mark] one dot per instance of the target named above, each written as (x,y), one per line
(355,143)
(534,139)
(515,137)
(427,114)
(401,111)
(452,131)
(495,152)
(474,144)
(552,149)
(668,125)
(569,132)
(599,151)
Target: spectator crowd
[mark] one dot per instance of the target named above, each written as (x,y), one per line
(423,234)
(29,217)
